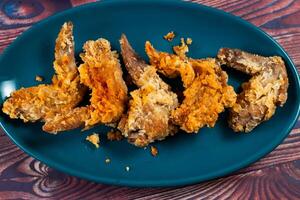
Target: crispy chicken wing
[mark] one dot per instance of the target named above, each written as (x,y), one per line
(147,119)
(171,65)
(102,73)
(43,102)
(205,96)
(262,93)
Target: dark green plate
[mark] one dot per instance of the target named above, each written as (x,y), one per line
(184,158)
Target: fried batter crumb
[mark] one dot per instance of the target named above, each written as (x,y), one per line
(154,151)
(94,139)
(169,36)
(107,160)
(114,135)
(39,78)
(181,49)
(189,41)
(127,168)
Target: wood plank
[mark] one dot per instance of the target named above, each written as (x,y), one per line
(43,182)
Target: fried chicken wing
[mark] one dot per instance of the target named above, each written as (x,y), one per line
(102,73)
(205,97)
(171,65)
(150,106)
(262,93)
(43,102)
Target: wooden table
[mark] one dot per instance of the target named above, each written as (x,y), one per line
(277,176)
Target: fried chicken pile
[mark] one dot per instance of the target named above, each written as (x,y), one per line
(148,115)
(152,111)
(207,93)
(262,93)
(43,102)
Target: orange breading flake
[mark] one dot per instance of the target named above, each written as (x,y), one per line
(94,139)
(189,41)
(169,36)
(181,49)
(154,151)
(39,78)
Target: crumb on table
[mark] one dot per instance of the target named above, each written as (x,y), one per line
(169,36)
(39,78)
(114,135)
(94,139)
(154,151)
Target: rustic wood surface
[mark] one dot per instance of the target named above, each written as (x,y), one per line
(277,176)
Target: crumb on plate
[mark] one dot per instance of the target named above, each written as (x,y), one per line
(181,49)
(127,168)
(114,135)
(189,41)
(154,151)
(169,36)
(107,160)
(39,78)
(94,139)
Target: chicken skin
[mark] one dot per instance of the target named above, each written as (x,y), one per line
(262,93)
(150,106)
(206,95)
(43,102)
(102,73)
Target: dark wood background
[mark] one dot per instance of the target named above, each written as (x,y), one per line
(277,176)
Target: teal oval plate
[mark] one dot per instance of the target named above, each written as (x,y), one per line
(182,159)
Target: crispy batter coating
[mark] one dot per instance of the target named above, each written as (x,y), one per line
(262,93)
(149,110)
(43,102)
(207,96)
(101,72)
(170,65)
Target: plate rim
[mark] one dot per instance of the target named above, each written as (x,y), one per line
(160,183)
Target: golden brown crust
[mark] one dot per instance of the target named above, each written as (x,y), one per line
(206,97)
(43,102)
(260,95)
(101,72)
(149,109)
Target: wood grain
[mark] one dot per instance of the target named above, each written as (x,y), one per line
(277,176)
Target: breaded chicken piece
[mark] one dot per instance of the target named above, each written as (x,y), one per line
(205,97)
(262,93)
(150,106)
(171,65)
(102,73)
(43,102)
